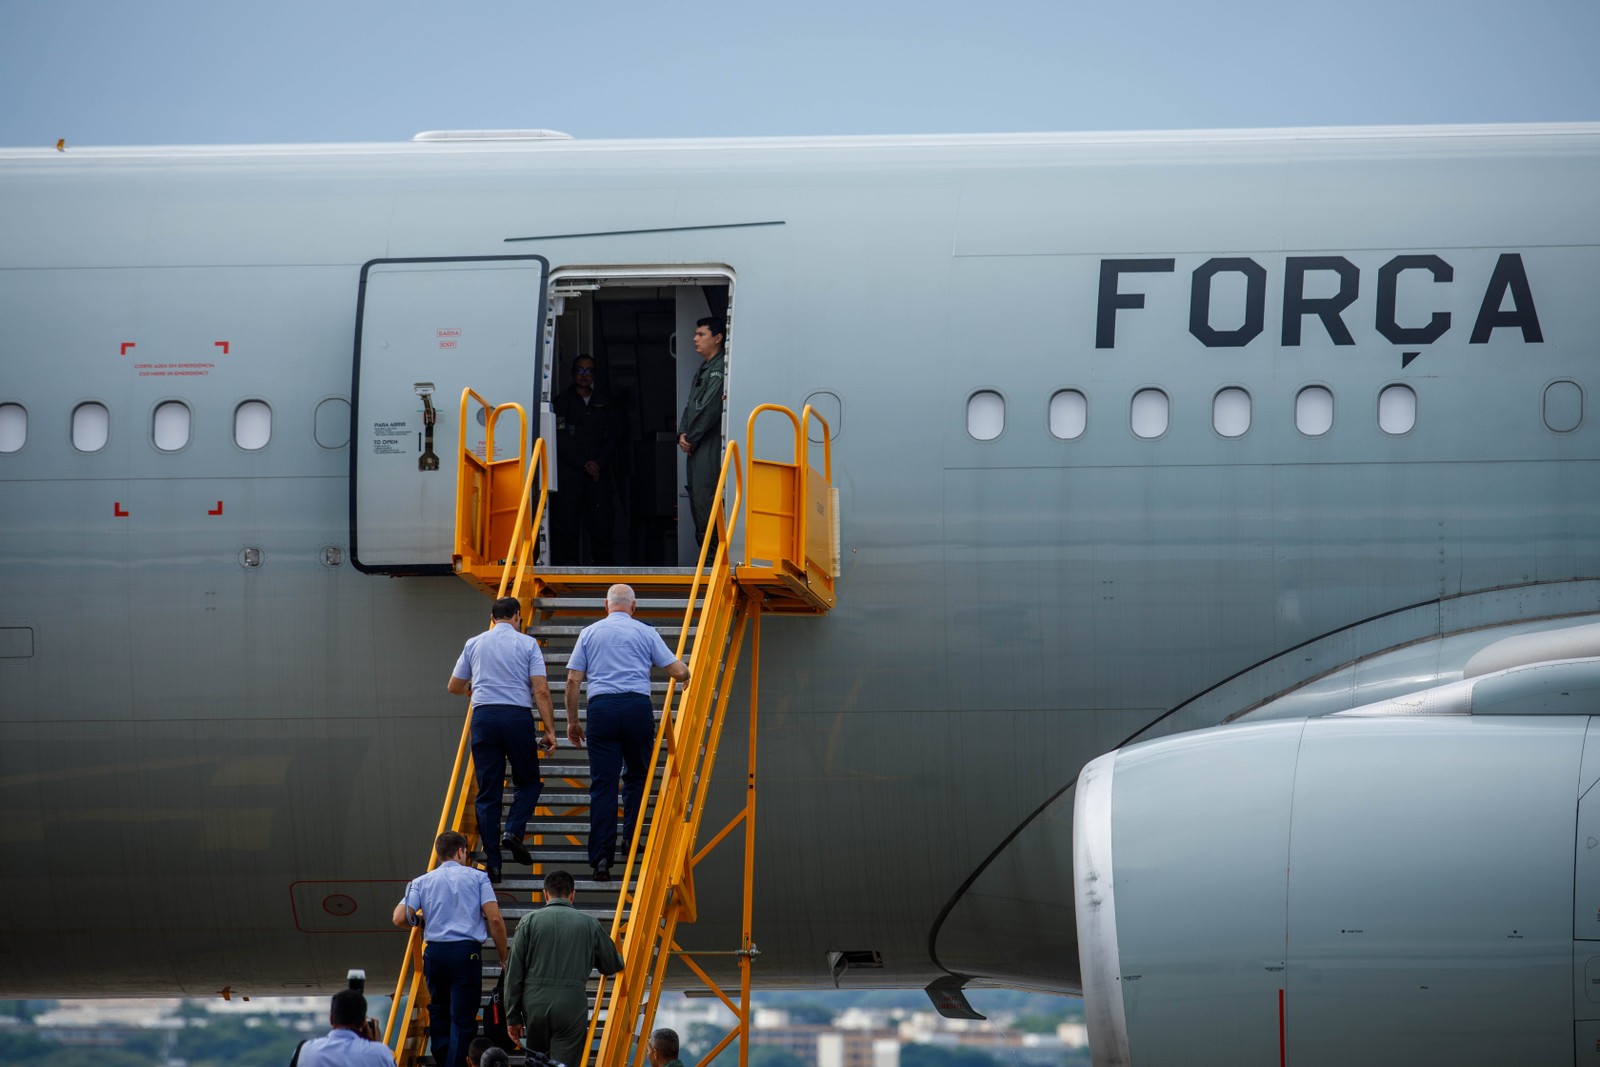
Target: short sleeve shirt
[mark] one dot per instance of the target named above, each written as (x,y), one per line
(451,898)
(345,1048)
(616,654)
(499,663)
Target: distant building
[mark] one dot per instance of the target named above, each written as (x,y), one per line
(798,1039)
(858,1048)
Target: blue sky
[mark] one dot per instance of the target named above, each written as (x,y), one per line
(220,71)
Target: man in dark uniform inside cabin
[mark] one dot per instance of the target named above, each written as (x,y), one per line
(586,447)
(700,428)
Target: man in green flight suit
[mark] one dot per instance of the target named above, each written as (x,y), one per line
(700,428)
(546,977)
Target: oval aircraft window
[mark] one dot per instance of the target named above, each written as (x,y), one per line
(332,427)
(1397,409)
(170,425)
(986,415)
(1563,406)
(1230,412)
(1148,413)
(91,427)
(252,425)
(827,404)
(1313,411)
(1069,414)
(13,427)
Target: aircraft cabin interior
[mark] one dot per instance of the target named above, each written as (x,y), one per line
(637,331)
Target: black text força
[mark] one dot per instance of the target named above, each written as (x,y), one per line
(1508,280)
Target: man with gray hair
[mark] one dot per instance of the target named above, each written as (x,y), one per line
(615,655)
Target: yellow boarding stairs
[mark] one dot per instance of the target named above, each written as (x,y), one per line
(790,515)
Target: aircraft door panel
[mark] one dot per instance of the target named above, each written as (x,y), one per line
(426,329)
(1588,1041)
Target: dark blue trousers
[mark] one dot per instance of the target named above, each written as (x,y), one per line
(622,729)
(454,973)
(501,732)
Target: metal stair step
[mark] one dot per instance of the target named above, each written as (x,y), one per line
(602,913)
(546,629)
(548,768)
(594,893)
(551,798)
(570,856)
(491,974)
(597,604)
(563,824)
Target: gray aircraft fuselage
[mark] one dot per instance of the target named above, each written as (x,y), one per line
(215,775)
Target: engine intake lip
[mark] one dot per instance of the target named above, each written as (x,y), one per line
(1095,901)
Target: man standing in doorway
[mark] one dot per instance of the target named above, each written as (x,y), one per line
(503,671)
(616,655)
(700,428)
(585,446)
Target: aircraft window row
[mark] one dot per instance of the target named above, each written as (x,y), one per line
(1149,411)
(172,425)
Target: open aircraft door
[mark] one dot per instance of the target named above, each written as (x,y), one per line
(426,329)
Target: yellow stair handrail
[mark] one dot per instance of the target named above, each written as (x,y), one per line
(666,860)
(457,809)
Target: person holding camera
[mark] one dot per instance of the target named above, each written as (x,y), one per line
(353,1041)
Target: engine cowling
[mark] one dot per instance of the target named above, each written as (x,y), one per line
(1391,885)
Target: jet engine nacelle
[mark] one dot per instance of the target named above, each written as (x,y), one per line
(1379,886)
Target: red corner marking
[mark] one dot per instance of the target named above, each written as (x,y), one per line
(222,345)
(125,346)
(116,509)
(216,510)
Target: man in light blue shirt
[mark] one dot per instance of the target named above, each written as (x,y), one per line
(352,1042)
(503,670)
(616,655)
(456,907)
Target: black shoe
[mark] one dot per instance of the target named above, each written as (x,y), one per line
(602,872)
(518,850)
(494,875)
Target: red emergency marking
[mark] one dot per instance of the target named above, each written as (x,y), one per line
(1283,1054)
(116,509)
(125,346)
(216,510)
(222,345)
